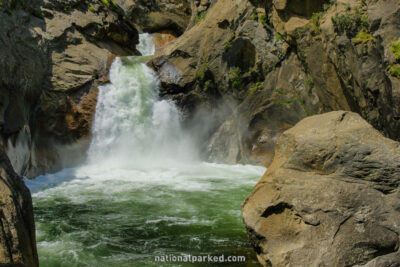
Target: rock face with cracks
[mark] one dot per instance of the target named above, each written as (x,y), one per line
(331,197)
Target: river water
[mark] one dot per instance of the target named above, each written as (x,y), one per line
(143,191)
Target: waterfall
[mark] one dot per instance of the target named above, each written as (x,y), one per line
(132,126)
(142,192)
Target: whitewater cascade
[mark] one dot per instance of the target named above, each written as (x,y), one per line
(132,125)
(143,192)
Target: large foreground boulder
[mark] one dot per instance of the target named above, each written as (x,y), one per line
(330,198)
(17,227)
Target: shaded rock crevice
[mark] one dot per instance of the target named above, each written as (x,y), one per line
(276,209)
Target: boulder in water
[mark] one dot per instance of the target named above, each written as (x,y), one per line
(330,198)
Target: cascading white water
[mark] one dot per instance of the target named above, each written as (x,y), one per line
(146,46)
(142,192)
(132,126)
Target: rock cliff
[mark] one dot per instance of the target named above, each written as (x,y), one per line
(253,69)
(248,70)
(331,197)
(54,55)
(243,72)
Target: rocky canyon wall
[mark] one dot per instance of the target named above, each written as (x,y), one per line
(253,69)
(242,72)
(54,55)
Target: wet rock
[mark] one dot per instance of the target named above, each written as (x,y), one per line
(331,197)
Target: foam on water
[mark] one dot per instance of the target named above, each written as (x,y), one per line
(143,191)
(132,126)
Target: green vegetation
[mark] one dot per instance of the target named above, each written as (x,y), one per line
(394,70)
(235,76)
(201,16)
(254,88)
(92,9)
(349,23)
(328,6)
(106,3)
(264,19)
(201,72)
(234,73)
(255,15)
(109,3)
(228,43)
(280,91)
(236,84)
(278,36)
(204,77)
(293,95)
(395,48)
(315,21)
(363,37)
(300,31)
(309,83)
(207,85)
(317,16)
(286,101)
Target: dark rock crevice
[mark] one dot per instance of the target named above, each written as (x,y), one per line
(276,209)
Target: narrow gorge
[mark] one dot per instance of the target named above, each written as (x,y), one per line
(134,130)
